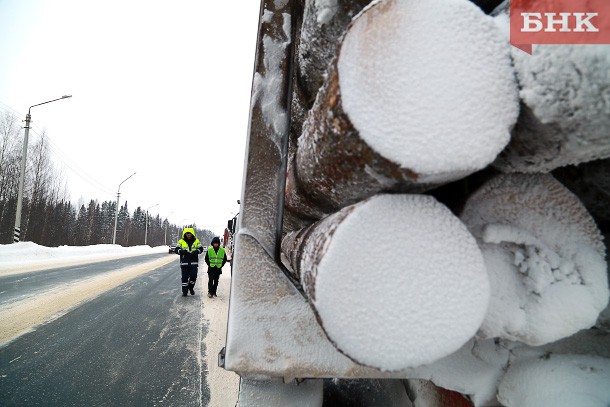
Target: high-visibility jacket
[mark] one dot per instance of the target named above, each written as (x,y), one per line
(216,258)
(191,256)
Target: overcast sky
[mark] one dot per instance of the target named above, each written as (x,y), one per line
(158,88)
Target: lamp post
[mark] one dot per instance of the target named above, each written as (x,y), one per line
(182,224)
(146,227)
(28,119)
(116,212)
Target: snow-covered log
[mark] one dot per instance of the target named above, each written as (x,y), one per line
(590,182)
(300,210)
(474,370)
(421,93)
(479,367)
(395,280)
(565,106)
(324,22)
(544,255)
(557,381)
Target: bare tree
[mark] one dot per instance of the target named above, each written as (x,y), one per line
(39,179)
(9,170)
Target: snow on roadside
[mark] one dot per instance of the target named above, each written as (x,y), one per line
(223,384)
(28,256)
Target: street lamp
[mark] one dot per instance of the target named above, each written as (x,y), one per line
(146,227)
(116,211)
(182,224)
(28,119)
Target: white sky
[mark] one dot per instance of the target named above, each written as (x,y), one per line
(158,88)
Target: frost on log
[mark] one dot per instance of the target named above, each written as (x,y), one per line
(360,289)
(565,107)
(544,256)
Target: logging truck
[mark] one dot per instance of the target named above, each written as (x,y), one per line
(403,237)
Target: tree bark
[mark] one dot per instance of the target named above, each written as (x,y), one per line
(324,23)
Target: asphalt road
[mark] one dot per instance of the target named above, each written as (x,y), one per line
(140,344)
(20,286)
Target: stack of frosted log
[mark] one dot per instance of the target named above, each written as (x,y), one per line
(398,107)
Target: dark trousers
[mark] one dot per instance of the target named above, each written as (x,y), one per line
(213,276)
(189,276)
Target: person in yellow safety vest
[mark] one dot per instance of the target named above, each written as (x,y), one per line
(215,258)
(189,248)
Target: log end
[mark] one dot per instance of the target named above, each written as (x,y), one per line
(402,283)
(440,96)
(544,255)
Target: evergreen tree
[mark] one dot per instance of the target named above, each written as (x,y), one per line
(107,222)
(81,228)
(138,227)
(93,216)
(123,226)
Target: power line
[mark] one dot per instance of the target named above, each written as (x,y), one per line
(70,164)
(63,157)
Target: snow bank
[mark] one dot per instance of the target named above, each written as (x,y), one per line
(28,256)
(429,85)
(544,255)
(399,282)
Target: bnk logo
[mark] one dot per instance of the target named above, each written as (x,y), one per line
(532,22)
(559,22)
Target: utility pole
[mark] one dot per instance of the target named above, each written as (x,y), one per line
(116,212)
(28,119)
(165,239)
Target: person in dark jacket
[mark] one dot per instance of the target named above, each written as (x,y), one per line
(215,258)
(189,249)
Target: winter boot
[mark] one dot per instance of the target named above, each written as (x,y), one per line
(192,289)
